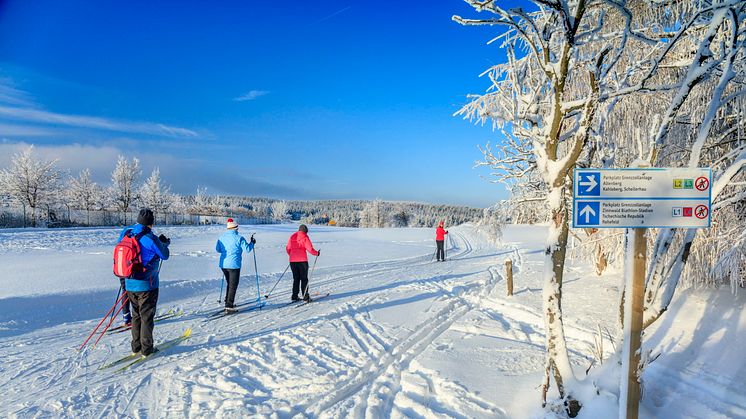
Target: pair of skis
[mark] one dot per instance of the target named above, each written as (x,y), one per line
(239,308)
(131,360)
(253,305)
(314,298)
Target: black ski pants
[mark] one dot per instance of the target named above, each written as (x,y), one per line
(300,278)
(126,301)
(143,317)
(440,253)
(231,278)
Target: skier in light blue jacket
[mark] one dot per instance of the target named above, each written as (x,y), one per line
(230,246)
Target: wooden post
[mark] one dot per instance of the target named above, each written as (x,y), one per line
(634,315)
(509,275)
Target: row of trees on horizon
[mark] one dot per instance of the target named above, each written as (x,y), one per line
(44,192)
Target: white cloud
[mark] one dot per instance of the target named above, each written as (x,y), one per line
(82,121)
(70,157)
(13,130)
(251,95)
(17,106)
(182,174)
(11,96)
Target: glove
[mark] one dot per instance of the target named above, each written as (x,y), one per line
(253,240)
(164,239)
(319,253)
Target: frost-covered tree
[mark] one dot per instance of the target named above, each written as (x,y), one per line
(155,195)
(373,215)
(263,210)
(613,83)
(83,193)
(493,220)
(124,179)
(31,181)
(279,210)
(204,204)
(399,216)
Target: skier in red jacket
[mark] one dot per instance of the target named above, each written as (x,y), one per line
(440,237)
(297,246)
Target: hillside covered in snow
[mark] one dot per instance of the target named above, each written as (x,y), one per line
(399,335)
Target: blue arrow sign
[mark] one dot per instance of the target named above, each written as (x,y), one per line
(589,184)
(588,213)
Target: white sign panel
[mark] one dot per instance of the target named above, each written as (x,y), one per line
(642,198)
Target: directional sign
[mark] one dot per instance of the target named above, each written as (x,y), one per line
(637,198)
(588,213)
(589,184)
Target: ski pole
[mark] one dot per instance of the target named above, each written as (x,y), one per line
(103,332)
(308,284)
(256,273)
(220,297)
(278,281)
(102,321)
(115,301)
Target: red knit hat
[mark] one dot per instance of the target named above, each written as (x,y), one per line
(232,224)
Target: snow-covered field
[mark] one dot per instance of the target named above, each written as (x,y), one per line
(399,336)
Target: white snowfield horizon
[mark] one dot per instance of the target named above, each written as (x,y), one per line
(399,336)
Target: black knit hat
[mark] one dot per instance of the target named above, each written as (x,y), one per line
(146,217)
(303,228)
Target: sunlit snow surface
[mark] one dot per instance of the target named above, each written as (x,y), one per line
(399,336)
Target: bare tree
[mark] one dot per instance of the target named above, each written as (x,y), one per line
(373,215)
(279,210)
(155,195)
(124,179)
(31,181)
(204,204)
(84,193)
(399,216)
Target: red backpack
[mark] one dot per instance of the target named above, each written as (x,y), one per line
(127,257)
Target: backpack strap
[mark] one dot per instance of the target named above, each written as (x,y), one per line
(137,237)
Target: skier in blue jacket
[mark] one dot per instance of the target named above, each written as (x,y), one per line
(142,287)
(230,246)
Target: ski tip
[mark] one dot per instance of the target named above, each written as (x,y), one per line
(188,332)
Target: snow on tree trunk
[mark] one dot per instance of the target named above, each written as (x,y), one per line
(557,361)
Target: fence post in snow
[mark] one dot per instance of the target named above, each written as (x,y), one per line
(509,275)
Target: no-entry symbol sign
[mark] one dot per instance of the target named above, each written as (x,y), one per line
(702,183)
(701,212)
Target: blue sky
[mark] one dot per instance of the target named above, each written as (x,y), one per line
(294,100)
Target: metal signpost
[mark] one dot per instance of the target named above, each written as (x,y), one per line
(639,198)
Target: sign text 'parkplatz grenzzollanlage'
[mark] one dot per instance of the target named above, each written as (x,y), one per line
(642,198)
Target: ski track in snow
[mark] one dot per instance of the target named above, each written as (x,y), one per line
(406,337)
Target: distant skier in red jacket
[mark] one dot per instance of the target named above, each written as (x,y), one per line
(297,246)
(440,237)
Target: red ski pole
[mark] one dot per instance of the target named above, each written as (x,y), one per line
(112,320)
(102,320)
